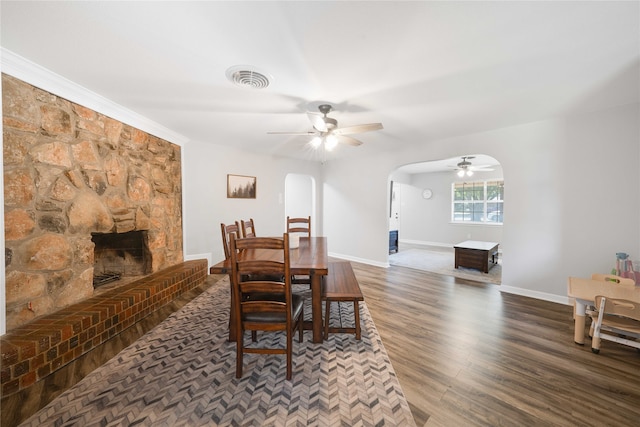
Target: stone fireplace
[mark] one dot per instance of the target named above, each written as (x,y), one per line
(71,177)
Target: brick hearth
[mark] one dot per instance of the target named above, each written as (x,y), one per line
(35,350)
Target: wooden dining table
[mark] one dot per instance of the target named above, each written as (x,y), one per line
(311,259)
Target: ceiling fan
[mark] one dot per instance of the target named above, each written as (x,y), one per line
(465,167)
(326,132)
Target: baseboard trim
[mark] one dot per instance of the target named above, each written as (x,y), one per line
(535,294)
(424,243)
(434,244)
(360,260)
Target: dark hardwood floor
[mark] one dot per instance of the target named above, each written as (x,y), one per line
(465,354)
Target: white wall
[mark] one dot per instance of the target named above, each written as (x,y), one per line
(601,188)
(573,189)
(356,208)
(428,221)
(205,195)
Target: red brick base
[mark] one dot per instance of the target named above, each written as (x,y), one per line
(35,350)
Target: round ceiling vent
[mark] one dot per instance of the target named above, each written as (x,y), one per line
(247,76)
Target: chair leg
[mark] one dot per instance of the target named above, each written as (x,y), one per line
(239,353)
(595,341)
(327,305)
(289,355)
(356,314)
(301,326)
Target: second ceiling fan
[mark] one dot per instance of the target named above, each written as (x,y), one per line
(326,130)
(465,167)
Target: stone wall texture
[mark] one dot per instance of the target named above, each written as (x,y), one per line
(70,171)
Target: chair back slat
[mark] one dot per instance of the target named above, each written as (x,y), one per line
(299,225)
(264,307)
(620,307)
(248,228)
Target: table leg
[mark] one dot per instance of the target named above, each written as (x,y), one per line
(580,315)
(316,307)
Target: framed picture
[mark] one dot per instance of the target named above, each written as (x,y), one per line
(241,187)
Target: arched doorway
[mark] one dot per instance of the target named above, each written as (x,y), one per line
(443,204)
(300,197)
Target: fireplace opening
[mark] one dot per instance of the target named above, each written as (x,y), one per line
(118,255)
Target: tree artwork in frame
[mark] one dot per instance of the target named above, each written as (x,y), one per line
(241,187)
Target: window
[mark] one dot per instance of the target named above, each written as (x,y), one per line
(477,202)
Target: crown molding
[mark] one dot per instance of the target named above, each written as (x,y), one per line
(38,76)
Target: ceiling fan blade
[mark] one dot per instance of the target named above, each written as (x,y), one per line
(318,122)
(357,129)
(292,133)
(348,140)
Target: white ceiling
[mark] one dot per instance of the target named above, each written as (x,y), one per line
(425,70)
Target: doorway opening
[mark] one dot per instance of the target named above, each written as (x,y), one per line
(300,199)
(423,207)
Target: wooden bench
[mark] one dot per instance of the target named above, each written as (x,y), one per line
(341,285)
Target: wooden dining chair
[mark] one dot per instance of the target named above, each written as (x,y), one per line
(248,228)
(228,231)
(299,225)
(262,305)
(616,320)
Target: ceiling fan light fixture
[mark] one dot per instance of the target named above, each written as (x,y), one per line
(326,133)
(330,123)
(330,142)
(248,76)
(464,171)
(464,167)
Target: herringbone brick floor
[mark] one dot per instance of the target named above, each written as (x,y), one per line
(182,373)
